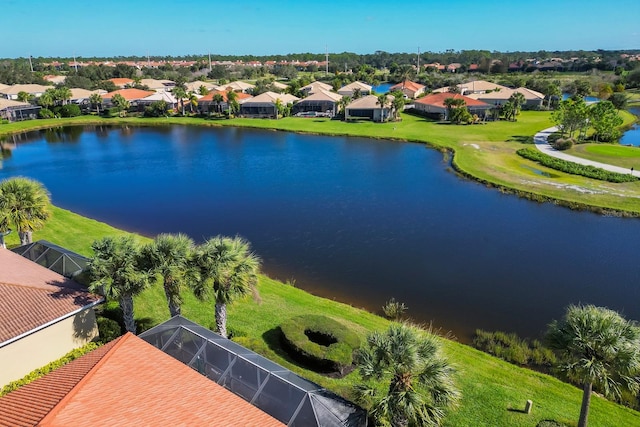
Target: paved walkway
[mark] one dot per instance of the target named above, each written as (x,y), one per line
(540,139)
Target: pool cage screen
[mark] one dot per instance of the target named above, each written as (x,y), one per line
(277,391)
(54,257)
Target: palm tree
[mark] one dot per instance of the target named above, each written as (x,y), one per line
(597,347)
(121,103)
(63,94)
(343,103)
(453,104)
(420,384)
(24,96)
(168,258)
(25,204)
(202,90)
(518,100)
(96,100)
(180,94)
(232,100)
(115,272)
(217,100)
(193,100)
(230,270)
(383,102)
(47,99)
(279,108)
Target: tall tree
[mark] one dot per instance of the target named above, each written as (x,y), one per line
(605,120)
(383,102)
(24,204)
(343,103)
(193,100)
(407,382)
(552,92)
(63,95)
(180,95)
(596,347)
(121,103)
(217,100)
(96,101)
(24,96)
(47,99)
(228,270)
(232,101)
(168,259)
(117,274)
(453,106)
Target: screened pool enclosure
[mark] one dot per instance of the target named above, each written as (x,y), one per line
(265,384)
(54,257)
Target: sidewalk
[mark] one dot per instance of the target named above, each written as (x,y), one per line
(540,140)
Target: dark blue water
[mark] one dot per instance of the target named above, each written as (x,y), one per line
(353,219)
(632,136)
(586,98)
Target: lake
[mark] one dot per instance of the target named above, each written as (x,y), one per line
(632,136)
(352,219)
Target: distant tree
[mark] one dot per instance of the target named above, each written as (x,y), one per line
(232,101)
(605,120)
(552,91)
(605,91)
(116,273)
(454,108)
(583,88)
(571,116)
(217,100)
(156,109)
(47,99)
(343,103)
(202,90)
(357,93)
(407,382)
(180,95)
(77,81)
(62,95)
(24,204)
(619,100)
(596,347)
(383,102)
(279,108)
(193,101)
(229,270)
(397,105)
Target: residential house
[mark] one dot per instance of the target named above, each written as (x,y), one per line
(411,90)
(128,382)
(533,99)
(158,85)
(56,80)
(207,106)
(349,89)
(475,86)
(167,97)
(195,86)
(237,86)
(314,87)
(279,86)
(81,96)
(131,94)
(264,105)
(433,105)
(321,101)
(122,82)
(368,107)
(16,110)
(43,316)
(11,92)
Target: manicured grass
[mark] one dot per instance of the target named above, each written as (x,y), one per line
(492,390)
(618,155)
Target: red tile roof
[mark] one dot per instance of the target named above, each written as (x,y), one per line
(32,296)
(136,384)
(130,94)
(437,99)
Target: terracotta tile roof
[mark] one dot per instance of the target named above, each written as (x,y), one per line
(138,385)
(437,99)
(407,84)
(121,81)
(130,94)
(209,97)
(32,296)
(29,404)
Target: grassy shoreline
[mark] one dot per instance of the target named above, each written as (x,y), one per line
(485,153)
(492,389)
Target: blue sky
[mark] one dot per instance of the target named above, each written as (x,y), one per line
(172,27)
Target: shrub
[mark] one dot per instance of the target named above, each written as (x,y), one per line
(393,309)
(70,110)
(108,329)
(513,349)
(45,113)
(562,144)
(320,342)
(574,168)
(111,112)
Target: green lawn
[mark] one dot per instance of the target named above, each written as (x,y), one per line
(618,155)
(492,390)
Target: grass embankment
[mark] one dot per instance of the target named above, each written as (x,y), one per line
(493,391)
(486,152)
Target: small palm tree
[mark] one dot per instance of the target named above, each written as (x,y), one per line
(193,100)
(383,102)
(25,204)
(406,380)
(180,95)
(47,99)
(121,103)
(217,100)
(229,270)
(96,100)
(63,95)
(116,273)
(168,258)
(24,96)
(232,100)
(596,346)
(343,103)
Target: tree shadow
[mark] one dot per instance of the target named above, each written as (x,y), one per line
(84,326)
(144,324)
(523,139)
(273,339)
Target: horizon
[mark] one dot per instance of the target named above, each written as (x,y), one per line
(281,28)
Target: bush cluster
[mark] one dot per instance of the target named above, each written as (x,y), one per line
(562,144)
(45,113)
(574,168)
(513,349)
(108,329)
(319,342)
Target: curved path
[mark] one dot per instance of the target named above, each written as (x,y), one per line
(540,140)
